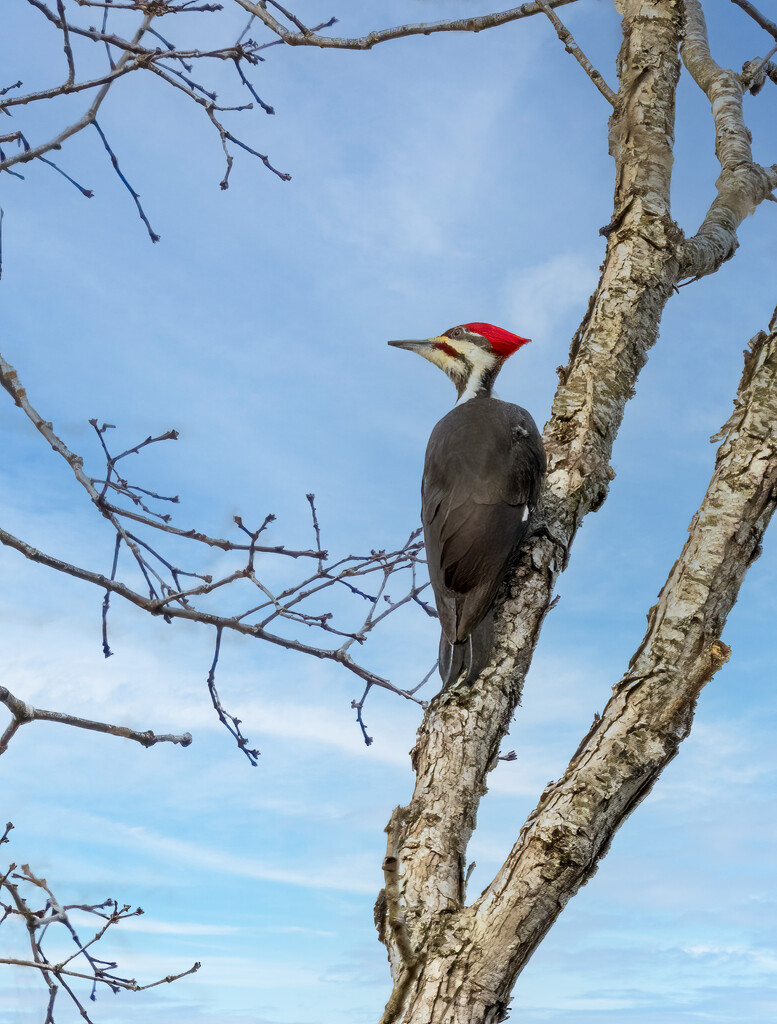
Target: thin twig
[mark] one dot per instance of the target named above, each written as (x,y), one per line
(572,47)
(766,24)
(230,721)
(141,212)
(24,713)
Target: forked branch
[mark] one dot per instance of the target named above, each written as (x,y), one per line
(18,885)
(282,614)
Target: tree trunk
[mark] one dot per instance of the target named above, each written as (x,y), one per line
(454,964)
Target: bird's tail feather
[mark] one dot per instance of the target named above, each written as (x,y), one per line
(452,659)
(463,661)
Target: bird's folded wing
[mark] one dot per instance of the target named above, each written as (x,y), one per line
(482,475)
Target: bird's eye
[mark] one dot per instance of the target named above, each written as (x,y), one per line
(455,333)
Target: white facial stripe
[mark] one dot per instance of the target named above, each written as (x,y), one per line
(482,361)
(470,391)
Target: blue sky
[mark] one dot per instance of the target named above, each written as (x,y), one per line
(435,180)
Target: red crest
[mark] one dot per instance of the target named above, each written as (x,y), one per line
(502,342)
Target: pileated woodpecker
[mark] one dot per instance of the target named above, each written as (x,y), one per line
(482,478)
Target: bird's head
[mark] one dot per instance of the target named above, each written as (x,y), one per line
(472,355)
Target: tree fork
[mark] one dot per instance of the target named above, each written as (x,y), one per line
(459,738)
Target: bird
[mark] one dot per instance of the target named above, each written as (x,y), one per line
(483,474)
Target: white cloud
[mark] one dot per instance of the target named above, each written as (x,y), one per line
(744,957)
(352,875)
(149,926)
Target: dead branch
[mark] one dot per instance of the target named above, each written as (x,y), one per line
(18,885)
(295,606)
(308,37)
(22,713)
(572,47)
(742,184)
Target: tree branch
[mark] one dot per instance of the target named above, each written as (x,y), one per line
(571,46)
(17,884)
(766,24)
(742,184)
(169,598)
(23,713)
(307,37)
(87,117)
(156,606)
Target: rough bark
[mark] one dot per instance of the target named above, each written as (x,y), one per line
(453,964)
(459,739)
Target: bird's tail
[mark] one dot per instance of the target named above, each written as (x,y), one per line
(463,661)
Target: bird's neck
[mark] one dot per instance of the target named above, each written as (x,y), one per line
(479,383)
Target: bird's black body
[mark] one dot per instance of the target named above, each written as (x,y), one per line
(482,477)
(484,469)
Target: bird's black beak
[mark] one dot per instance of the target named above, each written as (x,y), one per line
(414,346)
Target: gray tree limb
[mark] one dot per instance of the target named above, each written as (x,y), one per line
(743,183)
(22,713)
(652,707)
(307,37)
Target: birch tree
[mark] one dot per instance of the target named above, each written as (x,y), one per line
(454,959)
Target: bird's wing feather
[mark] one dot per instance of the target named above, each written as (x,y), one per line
(484,468)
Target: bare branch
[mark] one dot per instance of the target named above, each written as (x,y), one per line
(162,7)
(89,115)
(755,14)
(135,56)
(755,73)
(141,212)
(571,46)
(157,606)
(308,37)
(742,184)
(230,721)
(23,713)
(71,68)
(170,599)
(16,884)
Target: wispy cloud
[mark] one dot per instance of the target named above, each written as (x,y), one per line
(540,297)
(352,875)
